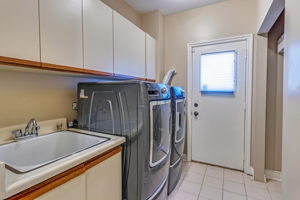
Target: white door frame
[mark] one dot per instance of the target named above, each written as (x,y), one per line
(249,67)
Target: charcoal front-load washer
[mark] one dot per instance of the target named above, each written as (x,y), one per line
(141,112)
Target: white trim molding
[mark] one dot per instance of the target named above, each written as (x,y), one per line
(249,38)
(273,175)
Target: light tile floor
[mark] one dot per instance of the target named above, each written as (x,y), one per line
(203,182)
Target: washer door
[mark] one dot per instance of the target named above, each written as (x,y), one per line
(160,130)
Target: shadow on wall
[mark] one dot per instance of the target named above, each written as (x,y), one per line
(40,95)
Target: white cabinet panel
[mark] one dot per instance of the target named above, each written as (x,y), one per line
(61,32)
(19,22)
(98,36)
(129,48)
(104,180)
(73,189)
(150,57)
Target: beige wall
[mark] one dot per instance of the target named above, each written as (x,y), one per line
(225,19)
(153,24)
(263,7)
(124,9)
(228,18)
(259,87)
(291,103)
(30,94)
(274,99)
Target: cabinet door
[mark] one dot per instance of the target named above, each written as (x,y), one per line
(150,57)
(19,22)
(129,48)
(73,189)
(98,36)
(104,181)
(61,32)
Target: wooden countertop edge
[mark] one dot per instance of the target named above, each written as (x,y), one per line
(151,80)
(54,67)
(47,185)
(20,62)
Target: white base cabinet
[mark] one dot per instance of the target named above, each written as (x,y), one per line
(102,181)
(71,190)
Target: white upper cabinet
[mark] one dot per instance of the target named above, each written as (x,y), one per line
(150,57)
(98,36)
(129,48)
(61,32)
(19,32)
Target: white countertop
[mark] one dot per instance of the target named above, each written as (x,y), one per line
(15,183)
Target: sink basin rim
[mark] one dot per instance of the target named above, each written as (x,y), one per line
(19,169)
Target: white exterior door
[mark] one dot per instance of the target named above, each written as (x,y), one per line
(218,104)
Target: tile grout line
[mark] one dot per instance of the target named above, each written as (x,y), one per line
(245,185)
(223,184)
(267,189)
(201,186)
(190,182)
(244,180)
(269,192)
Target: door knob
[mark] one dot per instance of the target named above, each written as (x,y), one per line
(196,113)
(195,105)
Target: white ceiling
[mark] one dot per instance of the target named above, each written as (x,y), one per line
(168,7)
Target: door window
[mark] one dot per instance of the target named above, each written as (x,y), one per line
(218,72)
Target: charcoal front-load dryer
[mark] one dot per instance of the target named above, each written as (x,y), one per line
(177,136)
(141,112)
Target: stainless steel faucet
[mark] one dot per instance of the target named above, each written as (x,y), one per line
(31,130)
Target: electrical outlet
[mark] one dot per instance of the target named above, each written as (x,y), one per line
(74,106)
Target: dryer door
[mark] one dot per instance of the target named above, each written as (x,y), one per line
(160,130)
(180,120)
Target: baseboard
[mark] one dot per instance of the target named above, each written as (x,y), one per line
(273,175)
(184,157)
(249,171)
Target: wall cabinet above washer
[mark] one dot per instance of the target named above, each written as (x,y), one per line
(78,36)
(97,36)
(129,48)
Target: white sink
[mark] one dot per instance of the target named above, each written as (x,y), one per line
(30,154)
